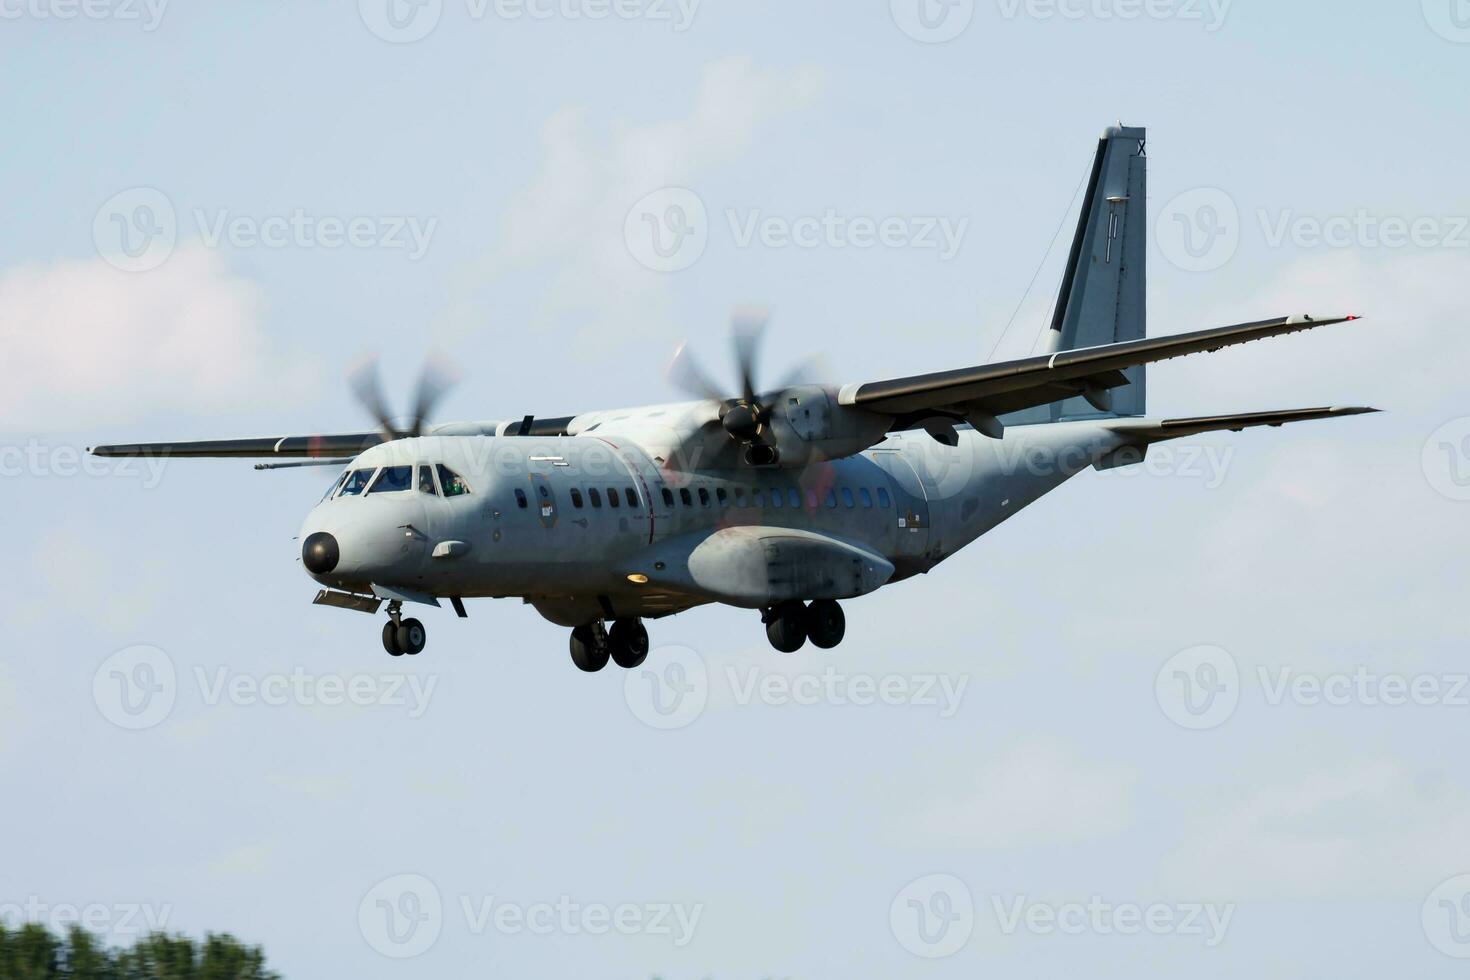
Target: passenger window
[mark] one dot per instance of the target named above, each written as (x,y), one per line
(451,482)
(576,498)
(811,500)
(668,497)
(612,497)
(867,497)
(775,497)
(357,482)
(831,498)
(757,499)
(739,496)
(883,498)
(703,497)
(793,497)
(426,481)
(594,496)
(632,497)
(520,498)
(847,496)
(685,497)
(392,479)
(722,496)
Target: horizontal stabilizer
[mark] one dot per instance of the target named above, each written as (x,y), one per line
(1153,430)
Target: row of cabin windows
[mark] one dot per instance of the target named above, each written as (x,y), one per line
(777,498)
(594,495)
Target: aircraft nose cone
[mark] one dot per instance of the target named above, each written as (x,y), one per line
(319,553)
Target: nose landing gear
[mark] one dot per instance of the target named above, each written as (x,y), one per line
(626,644)
(401,635)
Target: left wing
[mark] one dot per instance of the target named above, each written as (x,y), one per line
(980,394)
(325,446)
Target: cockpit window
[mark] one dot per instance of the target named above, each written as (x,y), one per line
(426,481)
(336,484)
(451,482)
(357,482)
(392,479)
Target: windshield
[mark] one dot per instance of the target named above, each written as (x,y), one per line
(451,482)
(393,479)
(356,482)
(336,484)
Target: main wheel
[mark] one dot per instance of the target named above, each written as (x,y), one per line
(628,643)
(825,623)
(787,628)
(411,636)
(589,648)
(390,639)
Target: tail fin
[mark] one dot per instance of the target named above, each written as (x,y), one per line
(1102,296)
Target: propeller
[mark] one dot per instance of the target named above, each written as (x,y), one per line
(435,380)
(746,416)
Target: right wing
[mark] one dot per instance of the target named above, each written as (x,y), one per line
(326,446)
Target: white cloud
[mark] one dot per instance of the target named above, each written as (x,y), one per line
(1370,829)
(568,222)
(87,344)
(1040,792)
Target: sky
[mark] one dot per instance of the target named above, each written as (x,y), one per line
(1202,717)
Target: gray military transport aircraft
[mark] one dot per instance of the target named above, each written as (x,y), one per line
(782,500)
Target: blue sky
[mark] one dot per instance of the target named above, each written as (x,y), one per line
(790,826)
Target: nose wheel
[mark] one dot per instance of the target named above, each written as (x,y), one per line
(403,636)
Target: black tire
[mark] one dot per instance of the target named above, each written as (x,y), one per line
(411,636)
(390,639)
(589,649)
(825,623)
(628,643)
(787,628)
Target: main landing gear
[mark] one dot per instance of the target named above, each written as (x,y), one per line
(791,624)
(401,635)
(626,644)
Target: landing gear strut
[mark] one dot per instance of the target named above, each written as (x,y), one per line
(401,635)
(626,644)
(791,624)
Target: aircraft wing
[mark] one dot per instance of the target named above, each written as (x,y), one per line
(990,390)
(326,446)
(1146,430)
